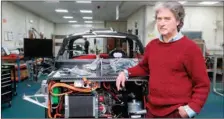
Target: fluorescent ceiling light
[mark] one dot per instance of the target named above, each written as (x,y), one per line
(52,1)
(76,25)
(182,2)
(98,22)
(207,3)
(83,1)
(88,25)
(72,21)
(82,25)
(67,17)
(61,10)
(31,21)
(87,17)
(86,11)
(88,21)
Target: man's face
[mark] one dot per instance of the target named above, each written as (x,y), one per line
(166,22)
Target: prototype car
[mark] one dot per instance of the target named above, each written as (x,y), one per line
(84,85)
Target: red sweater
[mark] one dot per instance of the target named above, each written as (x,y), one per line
(178,76)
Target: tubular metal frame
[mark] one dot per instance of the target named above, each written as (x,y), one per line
(215,71)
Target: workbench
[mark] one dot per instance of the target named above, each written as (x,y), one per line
(14,60)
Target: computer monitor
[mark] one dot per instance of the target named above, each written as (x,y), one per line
(38,47)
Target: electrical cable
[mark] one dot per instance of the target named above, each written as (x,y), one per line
(72,88)
(104,85)
(49,100)
(108,90)
(138,84)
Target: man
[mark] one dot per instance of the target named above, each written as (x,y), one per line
(86,46)
(178,83)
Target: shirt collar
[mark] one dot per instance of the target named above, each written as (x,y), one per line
(175,38)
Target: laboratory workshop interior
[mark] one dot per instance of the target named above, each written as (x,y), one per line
(112,59)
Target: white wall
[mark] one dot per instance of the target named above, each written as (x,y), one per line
(139,18)
(117,25)
(204,19)
(18,22)
(66,29)
(197,19)
(150,27)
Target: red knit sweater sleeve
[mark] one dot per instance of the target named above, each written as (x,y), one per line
(142,68)
(196,68)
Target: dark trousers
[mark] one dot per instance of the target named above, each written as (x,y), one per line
(174,114)
(87,51)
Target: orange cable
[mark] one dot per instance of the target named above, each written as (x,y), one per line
(72,88)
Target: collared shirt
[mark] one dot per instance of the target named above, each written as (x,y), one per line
(175,38)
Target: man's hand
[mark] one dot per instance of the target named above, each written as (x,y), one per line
(182,112)
(120,80)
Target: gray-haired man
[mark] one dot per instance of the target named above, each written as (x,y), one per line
(178,84)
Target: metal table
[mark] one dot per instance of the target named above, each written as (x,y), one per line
(216,71)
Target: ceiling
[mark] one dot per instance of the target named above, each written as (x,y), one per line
(106,12)
(102,10)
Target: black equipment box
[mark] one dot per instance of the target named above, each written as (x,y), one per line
(80,106)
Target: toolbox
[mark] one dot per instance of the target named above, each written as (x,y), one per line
(6,86)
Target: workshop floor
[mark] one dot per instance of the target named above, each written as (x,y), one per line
(214,107)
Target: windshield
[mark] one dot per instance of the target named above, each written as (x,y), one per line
(81,47)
